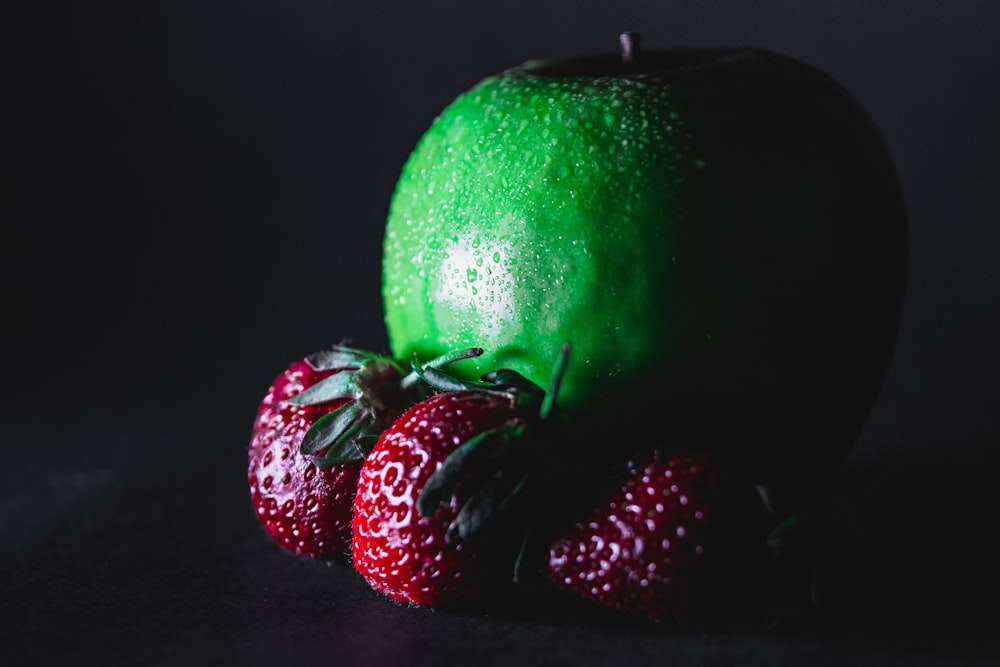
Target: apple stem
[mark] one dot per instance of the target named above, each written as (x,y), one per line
(629,42)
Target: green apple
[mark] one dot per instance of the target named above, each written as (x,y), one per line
(719,234)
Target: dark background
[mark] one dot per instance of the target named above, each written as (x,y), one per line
(195,197)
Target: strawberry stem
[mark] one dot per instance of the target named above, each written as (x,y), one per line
(549,402)
(440,362)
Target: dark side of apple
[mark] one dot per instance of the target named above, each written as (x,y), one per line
(798,248)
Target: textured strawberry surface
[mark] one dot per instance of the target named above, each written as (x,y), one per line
(647,545)
(306,509)
(399,552)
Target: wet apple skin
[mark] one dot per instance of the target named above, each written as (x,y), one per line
(723,242)
(537,211)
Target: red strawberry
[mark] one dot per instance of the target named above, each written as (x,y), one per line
(670,541)
(312,429)
(432,484)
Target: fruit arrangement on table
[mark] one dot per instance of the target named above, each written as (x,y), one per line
(639,306)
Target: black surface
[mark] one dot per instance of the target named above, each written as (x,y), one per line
(195,197)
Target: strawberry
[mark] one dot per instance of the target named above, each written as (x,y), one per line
(432,486)
(316,421)
(672,539)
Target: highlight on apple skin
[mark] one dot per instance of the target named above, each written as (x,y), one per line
(719,233)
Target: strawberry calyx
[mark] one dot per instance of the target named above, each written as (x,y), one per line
(497,462)
(373,391)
